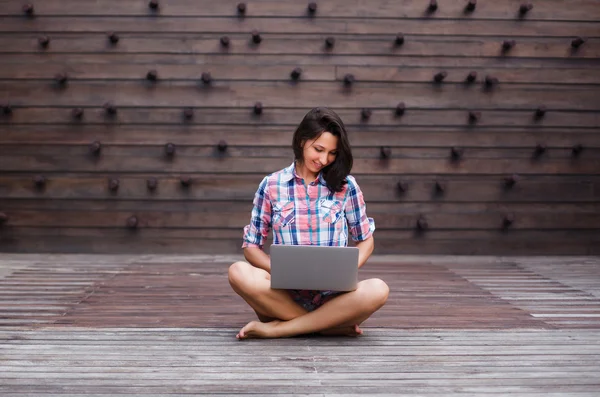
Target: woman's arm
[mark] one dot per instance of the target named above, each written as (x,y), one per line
(365,249)
(257,258)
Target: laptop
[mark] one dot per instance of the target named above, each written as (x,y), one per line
(314,267)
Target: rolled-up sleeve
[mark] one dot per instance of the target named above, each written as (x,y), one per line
(256,233)
(361,227)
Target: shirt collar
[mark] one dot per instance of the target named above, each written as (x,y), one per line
(289,173)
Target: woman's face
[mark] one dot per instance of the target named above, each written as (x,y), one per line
(320,152)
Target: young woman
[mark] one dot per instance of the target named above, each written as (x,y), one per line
(314,201)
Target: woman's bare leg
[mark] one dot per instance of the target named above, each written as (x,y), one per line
(342,311)
(254,286)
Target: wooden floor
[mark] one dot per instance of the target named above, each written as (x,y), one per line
(165,325)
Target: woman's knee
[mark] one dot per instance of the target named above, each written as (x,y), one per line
(239,274)
(374,292)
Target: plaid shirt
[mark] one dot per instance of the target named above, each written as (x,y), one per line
(310,214)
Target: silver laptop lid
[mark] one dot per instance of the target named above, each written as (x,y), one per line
(314,267)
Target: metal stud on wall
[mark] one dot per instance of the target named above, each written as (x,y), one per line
(185,181)
(110,109)
(95,148)
(44,41)
(510,181)
(132,222)
(525,8)
(113,38)
(77,113)
(471,5)
(39,182)
(7,109)
(29,9)
(152,184)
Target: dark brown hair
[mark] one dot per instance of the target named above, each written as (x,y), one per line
(314,123)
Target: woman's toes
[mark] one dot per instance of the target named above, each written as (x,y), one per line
(255,329)
(243,334)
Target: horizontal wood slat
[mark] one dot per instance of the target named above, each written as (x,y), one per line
(258,71)
(268,135)
(244,206)
(218,241)
(482,189)
(154,60)
(579,10)
(242,45)
(525,117)
(233,152)
(474,166)
(232,217)
(301,94)
(357,25)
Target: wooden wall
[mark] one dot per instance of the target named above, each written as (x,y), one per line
(531,113)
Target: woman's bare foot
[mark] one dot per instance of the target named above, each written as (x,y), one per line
(351,330)
(257,329)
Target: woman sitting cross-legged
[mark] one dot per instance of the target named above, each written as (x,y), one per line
(314,201)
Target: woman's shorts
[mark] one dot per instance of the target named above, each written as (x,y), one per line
(312,300)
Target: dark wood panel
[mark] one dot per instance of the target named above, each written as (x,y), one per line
(458,75)
(215,241)
(303,94)
(222,72)
(75,211)
(215,216)
(510,28)
(579,10)
(258,71)
(154,60)
(538,47)
(252,134)
(59,163)
(142,150)
(244,205)
(504,28)
(483,189)
(291,117)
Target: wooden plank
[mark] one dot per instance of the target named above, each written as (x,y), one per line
(150,350)
(232,117)
(333,393)
(360,25)
(579,10)
(221,72)
(490,192)
(337,368)
(234,152)
(147,61)
(374,207)
(330,382)
(287,389)
(538,47)
(269,136)
(304,94)
(226,165)
(216,241)
(215,216)
(458,75)
(280,375)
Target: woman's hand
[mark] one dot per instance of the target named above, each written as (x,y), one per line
(258,258)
